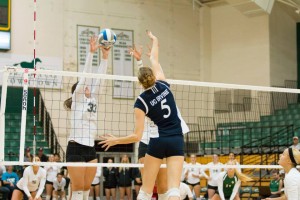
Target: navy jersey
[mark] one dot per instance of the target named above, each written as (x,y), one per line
(159,105)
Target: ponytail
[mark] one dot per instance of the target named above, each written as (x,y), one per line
(68,102)
(242,177)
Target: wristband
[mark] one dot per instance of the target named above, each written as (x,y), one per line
(140,63)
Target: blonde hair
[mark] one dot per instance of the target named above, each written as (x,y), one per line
(242,177)
(122,161)
(146,77)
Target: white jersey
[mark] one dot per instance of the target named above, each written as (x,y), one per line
(149,129)
(185,191)
(84,110)
(59,186)
(30,182)
(97,176)
(52,172)
(194,173)
(292,184)
(214,173)
(297,146)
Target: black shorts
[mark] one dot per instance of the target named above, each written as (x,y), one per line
(95,184)
(110,187)
(142,150)
(49,182)
(193,184)
(24,194)
(80,153)
(212,187)
(226,198)
(164,147)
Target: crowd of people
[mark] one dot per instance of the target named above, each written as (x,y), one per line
(223,182)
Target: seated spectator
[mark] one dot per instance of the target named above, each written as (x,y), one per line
(41,155)
(27,156)
(276,185)
(10,179)
(296,144)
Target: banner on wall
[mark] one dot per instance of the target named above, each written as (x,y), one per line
(123,64)
(25,61)
(84,33)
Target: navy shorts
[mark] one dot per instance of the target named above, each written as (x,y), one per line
(142,150)
(80,153)
(164,147)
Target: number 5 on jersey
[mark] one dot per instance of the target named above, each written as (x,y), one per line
(165,106)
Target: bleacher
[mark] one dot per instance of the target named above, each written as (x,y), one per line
(13,125)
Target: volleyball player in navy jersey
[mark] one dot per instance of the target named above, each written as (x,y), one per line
(149,128)
(157,102)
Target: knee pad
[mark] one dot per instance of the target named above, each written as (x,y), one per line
(163,196)
(144,196)
(77,195)
(173,192)
(48,197)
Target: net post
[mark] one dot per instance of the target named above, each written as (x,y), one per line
(24,115)
(2,114)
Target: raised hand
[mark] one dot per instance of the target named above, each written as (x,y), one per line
(151,36)
(94,46)
(137,54)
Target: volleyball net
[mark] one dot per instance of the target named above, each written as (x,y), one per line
(256,123)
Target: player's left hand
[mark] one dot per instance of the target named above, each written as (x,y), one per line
(137,54)
(108,141)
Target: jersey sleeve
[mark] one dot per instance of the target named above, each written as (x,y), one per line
(42,184)
(100,83)
(220,186)
(139,104)
(25,182)
(235,189)
(83,81)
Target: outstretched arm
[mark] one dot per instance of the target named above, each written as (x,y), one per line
(136,136)
(88,66)
(102,69)
(158,72)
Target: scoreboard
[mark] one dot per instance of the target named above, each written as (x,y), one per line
(5,24)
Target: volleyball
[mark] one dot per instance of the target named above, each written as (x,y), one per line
(107,37)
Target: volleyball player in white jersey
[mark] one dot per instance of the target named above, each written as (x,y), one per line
(32,183)
(83,106)
(59,184)
(214,172)
(289,159)
(51,175)
(193,173)
(158,103)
